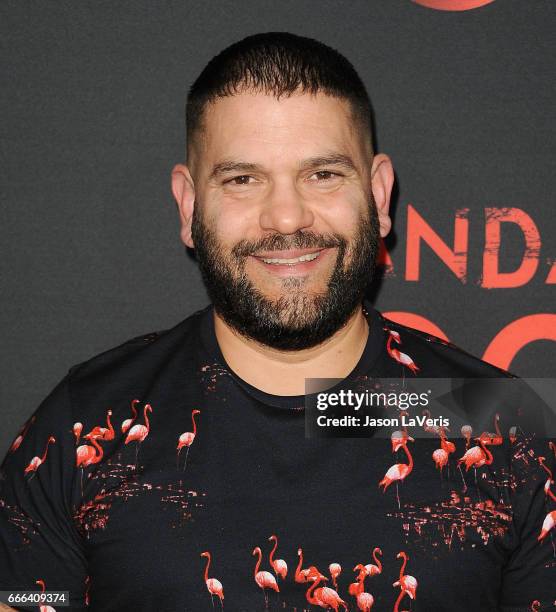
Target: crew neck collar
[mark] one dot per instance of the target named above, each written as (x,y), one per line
(365,365)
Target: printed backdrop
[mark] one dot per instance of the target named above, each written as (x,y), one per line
(92,107)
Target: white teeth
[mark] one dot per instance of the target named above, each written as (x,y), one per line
(274,260)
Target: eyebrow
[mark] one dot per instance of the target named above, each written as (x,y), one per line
(334,159)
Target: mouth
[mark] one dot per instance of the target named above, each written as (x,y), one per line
(289,261)
(294,261)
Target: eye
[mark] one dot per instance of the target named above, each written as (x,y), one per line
(325,175)
(239,180)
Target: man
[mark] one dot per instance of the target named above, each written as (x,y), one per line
(173,472)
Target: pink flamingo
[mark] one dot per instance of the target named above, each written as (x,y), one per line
(549,482)
(398,439)
(358,586)
(365,602)
(139,432)
(38,461)
(104,433)
(88,455)
(440,457)
(77,429)
(313,593)
(43,608)
(279,565)
(467,432)
(496,439)
(434,429)
(548,524)
(22,433)
(445,444)
(406,582)
(335,570)
(128,422)
(477,456)
(214,586)
(305,575)
(324,597)
(371,569)
(397,354)
(186,439)
(265,580)
(397,472)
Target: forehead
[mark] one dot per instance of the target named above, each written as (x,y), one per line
(258,125)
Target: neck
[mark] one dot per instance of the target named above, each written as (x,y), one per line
(284,372)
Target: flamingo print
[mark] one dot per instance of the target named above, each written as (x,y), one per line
(43,608)
(407,583)
(265,580)
(305,575)
(324,597)
(214,586)
(358,587)
(398,439)
(496,439)
(87,455)
(335,570)
(434,429)
(21,434)
(128,422)
(467,432)
(77,429)
(445,444)
(139,432)
(477,456)
(186,439)
(364,600)
(397,472)
(549,482)
(38,461)
(104,433)
(548,524)
(397,354)
(374,570)
(440,457)
(279,565)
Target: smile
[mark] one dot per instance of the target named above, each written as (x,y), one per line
(291,261)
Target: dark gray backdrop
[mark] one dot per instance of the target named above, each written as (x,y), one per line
(92,107)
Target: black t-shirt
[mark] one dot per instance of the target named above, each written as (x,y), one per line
(120,519)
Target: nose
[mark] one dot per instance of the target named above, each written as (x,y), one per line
(285,210)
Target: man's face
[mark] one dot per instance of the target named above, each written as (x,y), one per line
(284,224)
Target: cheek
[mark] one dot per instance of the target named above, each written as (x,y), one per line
(230,224)
(343,215)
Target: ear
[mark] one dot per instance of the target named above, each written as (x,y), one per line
(382,182)
(184,194)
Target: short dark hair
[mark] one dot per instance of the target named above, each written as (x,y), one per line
(278,63)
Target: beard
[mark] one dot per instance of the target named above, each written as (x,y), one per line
(298,319)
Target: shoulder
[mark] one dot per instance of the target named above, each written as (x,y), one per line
(135,360)
(438,357)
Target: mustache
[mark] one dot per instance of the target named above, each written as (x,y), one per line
(282,242)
